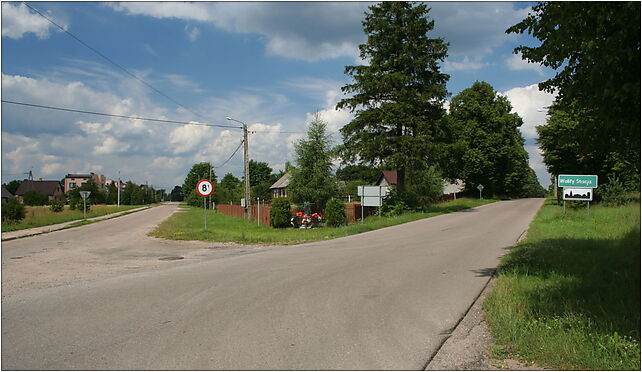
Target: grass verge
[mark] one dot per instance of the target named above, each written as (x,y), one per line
(42,216)
(568,296)
(188,225)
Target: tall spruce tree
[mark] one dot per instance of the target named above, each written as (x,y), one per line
(398,98)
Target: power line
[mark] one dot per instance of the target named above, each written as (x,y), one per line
(112,61)
(119,116)
(228,159)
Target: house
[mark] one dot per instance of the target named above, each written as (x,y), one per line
(387,178)
(74,180)
(52,189)
(6,195)
(279,188)
(115,183)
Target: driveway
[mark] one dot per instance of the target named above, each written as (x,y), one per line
(385,299)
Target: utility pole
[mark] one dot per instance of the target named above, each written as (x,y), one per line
(118,189)
(246,169)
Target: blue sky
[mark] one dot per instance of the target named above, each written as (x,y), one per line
(271,65)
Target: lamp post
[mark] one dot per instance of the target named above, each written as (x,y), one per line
(246,168)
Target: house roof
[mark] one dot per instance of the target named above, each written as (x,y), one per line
(78,175)
(46,187)
(6,193)
(282,183)
(390,177)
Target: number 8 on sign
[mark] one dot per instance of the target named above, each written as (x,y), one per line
(204,187)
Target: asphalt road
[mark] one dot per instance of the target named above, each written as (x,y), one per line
(380,300)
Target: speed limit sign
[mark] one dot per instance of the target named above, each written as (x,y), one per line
(204,187)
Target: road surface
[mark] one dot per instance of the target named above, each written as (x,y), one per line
(385,299)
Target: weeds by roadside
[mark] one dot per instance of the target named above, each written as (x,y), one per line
(568,297)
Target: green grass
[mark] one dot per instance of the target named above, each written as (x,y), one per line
(42,216)
(188,225)
(568,297)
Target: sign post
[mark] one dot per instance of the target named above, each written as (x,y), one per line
(84,195)
(204,189)
(480,187)
(371,196)
(577,187)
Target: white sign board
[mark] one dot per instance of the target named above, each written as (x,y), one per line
(480,187)
(578,194)
(84,194)
(372,196)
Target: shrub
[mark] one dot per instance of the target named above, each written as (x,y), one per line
(335,212)
(393,204)
(73,203)
(613,192)
(35,197)
(280,213)
(56,206)
(13,211)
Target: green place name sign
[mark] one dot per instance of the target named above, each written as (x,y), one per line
(574,180)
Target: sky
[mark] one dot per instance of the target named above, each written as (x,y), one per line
(271,65)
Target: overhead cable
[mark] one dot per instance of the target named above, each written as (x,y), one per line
(231,156)
(120,116)
(112,61)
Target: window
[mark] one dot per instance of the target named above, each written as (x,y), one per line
(72,185)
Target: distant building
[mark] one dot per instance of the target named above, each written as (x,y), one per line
(6,195)
(387,178)
(74,180)
(115,182)
(279,188)
(52,189)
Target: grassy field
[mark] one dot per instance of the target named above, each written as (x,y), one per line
(42,216)
(568,297)
(188,225)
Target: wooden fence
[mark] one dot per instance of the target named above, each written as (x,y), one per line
(353,212)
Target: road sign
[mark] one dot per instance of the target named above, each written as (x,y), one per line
(577,181)
(84,194)
(372,196)
(480,187)
(204,188)
(578,194)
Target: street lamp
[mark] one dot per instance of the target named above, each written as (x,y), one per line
(246,168)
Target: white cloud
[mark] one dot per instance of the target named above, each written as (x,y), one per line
(184,82)
(192,32)
(148,48)
(304,31)
(475,28)
(516,63)
(311,31)
(530,103)
(18,20)
(465,64)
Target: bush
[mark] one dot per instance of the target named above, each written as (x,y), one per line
(613,193)
(280,213)
(56,206)
(13,211)
(35,197)
(393,204)
(73,203)
(335,212)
